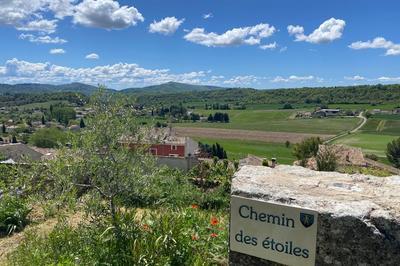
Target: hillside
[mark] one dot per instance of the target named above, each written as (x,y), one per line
(47,88)
(170,87)
(351,94)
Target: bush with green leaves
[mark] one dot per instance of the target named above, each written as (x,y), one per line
(185,236)
(13,214)
(306,149)
(48,138)
(326,159)
(393,152)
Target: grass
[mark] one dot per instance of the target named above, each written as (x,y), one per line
(383,125)
(238,149)
(277,121)
(369,143)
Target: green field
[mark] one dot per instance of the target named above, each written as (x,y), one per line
(237,149)
(277,121)
(41,105)
(369,143)
(383,125)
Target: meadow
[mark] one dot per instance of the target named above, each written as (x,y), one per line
(369,143)
(276,121)
(238,149)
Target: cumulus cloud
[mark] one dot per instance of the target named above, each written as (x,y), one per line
(207,16)
(355,78)
(33,15)
(42,25)
(377,43)
(117,75)
(270,46)
(92,56)
(106,14)
(294,78)
(234,37)
(42,39)
(328,31)
(241,80)
(166,26)
(389,79)
(57,51)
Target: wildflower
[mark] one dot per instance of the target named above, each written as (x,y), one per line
(214,221)
(195,237)
(213,235)
(146,227)
(195,206)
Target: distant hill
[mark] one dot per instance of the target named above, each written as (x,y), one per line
(47,88)
(166,88)
(170,87)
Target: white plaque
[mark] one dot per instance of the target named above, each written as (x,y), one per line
(274,232)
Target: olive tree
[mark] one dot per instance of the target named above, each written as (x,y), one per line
(106,160)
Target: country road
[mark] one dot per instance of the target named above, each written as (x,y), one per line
(362,123)
(364,120)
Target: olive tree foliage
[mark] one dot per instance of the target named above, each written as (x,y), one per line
(393,152)
(306,149)
(102,161)
(326,159)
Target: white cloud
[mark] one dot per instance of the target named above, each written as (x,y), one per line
(234,37)
(241,80)
(377,43)
(42,25)
(29,15)
(283,49)
(62,8)
(294,78)
(355,78)
(270,46)
(92,56)
(328,31)
(42,39)
(166,26)
(106,14)
(117,75)
(57,51)
(207,16)
(389,79)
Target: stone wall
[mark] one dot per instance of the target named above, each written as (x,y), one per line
(180,163)
(359,215)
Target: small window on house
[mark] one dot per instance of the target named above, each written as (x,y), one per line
(174,147)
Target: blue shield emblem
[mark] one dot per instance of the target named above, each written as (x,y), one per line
(306,219)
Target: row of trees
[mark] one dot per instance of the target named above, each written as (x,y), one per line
(217,106)
(218,117)
(214,150)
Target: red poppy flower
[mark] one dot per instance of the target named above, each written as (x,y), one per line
(146,227)
(214,221)
(195,206)
(213,235)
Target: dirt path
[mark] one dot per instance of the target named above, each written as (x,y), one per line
(217,133)
(364,120)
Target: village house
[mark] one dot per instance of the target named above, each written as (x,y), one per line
(169,149)
(18,152)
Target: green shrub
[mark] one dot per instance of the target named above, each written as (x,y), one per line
(393,152)
(187,236)
(372,156)
(326,160)
(13,215)
(48,138)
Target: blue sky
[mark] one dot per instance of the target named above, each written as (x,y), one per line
(253,43)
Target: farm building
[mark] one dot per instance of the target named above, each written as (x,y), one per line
(326,112)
